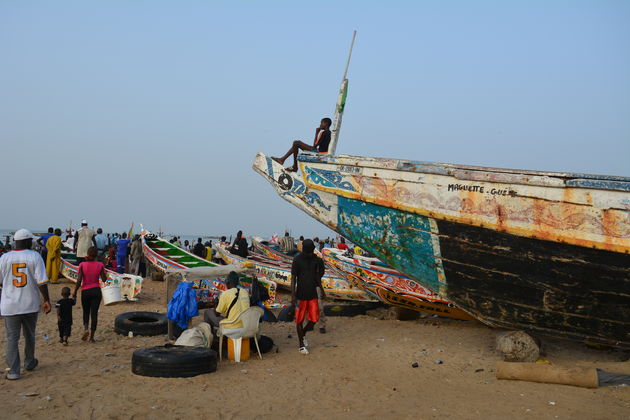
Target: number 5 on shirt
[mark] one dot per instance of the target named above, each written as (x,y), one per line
(20,278)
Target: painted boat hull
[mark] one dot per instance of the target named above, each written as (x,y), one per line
(539,251)
(130,285)
(165,256)
(336,287)
(270,251)
(391,286)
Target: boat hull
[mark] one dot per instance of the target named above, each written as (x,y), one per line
(542,252)
(165,256)
(130,285)
(390,286)
(336,287)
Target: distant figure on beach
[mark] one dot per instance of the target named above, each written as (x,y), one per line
(88,280)
(42,242)
(53,258)
(122,252)
(342,244)
(136,255)
(199,249)
(320,144)
(101,242)
(307,271)
(64,315)
(208,253)
(83,239)
(186,246)
(232,303)
(239,247)
(299,244)
(23,276)
(287,244)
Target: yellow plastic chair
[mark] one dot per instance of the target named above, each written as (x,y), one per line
(251,329)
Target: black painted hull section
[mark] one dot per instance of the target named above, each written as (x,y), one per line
(539,286)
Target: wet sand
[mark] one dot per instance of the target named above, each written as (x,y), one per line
(360,368)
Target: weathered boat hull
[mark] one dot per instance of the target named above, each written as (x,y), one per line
(336,287)
(391,286)
(270,251)
(165,256)
(543,252)
(130,285)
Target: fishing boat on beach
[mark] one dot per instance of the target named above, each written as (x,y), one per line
(271,251)
(165,256)
(544,252)
(130,285)
(391,286)
(335,286)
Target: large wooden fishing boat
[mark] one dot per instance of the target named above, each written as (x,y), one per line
(545,252)
(336,287)
(130,285)
(391,286)
(165,256)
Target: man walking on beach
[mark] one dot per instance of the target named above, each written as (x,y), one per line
(306,277)
(23,276)
(83,240)
(320,144)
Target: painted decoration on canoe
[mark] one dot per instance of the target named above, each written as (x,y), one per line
(329,179)
(280,272)
(404,240)
(130,285)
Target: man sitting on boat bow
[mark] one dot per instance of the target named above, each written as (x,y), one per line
(320,144)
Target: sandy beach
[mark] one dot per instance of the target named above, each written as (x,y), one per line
(360,368)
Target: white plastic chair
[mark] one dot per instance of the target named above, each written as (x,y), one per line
(251,329)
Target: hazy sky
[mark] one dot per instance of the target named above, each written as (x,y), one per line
(152,111)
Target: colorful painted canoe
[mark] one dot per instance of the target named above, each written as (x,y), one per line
(130,285)
(544,252)
(164,256)
(391,286)
(271,251)
(336,287)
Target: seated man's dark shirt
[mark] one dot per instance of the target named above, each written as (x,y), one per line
(322,143)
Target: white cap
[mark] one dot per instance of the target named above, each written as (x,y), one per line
(22,234)
(84,222)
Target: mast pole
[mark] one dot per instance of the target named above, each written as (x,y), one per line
(341,102)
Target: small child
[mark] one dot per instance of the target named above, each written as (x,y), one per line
(64,315)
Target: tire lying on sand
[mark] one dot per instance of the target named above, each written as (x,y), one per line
(287,314)
(141,323)
(345,310)
(173,361)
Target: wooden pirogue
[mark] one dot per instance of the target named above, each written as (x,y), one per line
(165,256)
(390,286)
(544,252)
(130,285)
(335,286)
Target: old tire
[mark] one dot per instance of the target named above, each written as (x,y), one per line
(141,323)
(344,310)
(173,361)
(287,314)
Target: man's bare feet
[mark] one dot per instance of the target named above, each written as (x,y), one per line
(292,169)
(85,336)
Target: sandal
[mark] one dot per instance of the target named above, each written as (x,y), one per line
(303,350)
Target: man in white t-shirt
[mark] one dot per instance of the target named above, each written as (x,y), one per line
(23,276)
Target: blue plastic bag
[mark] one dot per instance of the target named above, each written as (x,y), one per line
(183,305)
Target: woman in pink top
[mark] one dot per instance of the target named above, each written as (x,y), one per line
(89,273)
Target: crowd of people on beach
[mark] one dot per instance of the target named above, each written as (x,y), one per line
(28,263)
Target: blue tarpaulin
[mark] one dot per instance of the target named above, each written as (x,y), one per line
(183,305)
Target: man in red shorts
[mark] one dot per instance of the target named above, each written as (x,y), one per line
(306,276)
